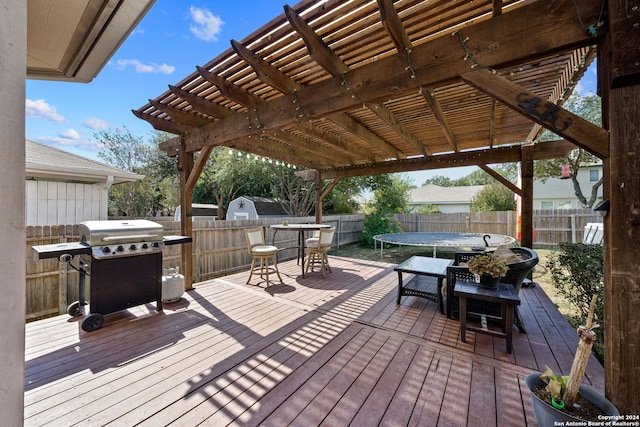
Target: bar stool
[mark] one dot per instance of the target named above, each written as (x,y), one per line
(265,256)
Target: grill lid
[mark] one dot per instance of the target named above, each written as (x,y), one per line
(113,232)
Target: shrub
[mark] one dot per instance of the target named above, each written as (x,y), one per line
(377,222)
(577,272)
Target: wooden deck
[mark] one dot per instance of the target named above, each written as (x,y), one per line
(313,351)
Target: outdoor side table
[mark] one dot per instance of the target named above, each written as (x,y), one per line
(427,282)
(505,295)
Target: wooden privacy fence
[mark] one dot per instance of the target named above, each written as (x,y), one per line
(219,247)
(460,222)
(550,226)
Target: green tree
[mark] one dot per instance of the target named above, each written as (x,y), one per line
(494,197)
(296,196)
(230,173)
(442,181)
(387,201)
(477,177)
(343,198)
(126,151)
(428,208)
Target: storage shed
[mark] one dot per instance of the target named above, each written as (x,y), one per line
(64,188)
(245,207)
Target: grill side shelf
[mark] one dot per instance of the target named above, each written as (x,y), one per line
(176,240)
(57,249)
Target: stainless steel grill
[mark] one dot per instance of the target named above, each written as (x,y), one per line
(122,238)
(124,262)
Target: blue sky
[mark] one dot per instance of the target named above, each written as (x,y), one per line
(165,47)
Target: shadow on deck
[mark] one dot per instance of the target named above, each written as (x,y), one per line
(308,351)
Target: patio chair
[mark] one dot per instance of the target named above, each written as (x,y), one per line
(317,250)
(265,257)
(516,273)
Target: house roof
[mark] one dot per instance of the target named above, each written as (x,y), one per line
(435,194)
(45,162)
(72,40)
(367,87)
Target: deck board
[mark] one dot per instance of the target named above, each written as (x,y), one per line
(307,351)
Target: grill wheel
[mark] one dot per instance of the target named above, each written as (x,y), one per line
(75,309)
(92,322)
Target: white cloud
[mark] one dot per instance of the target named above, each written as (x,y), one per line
(39,109)
(95,123)
(206,25)
(70,134)
(85,144)
(145,68)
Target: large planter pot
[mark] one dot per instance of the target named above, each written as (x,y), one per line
(547,415)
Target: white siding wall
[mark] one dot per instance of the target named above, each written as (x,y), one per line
(56,203)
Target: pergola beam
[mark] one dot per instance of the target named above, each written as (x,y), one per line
(393,25)
(541,150)
(581,132)
(502,180)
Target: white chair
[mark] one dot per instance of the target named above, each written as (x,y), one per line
(262,254)
(317,249)
(313,240)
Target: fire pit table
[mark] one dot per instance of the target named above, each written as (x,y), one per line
(124,262)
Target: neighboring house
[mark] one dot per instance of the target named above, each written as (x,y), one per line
(559,193)
(64,188)
(245,207)
(446,199)
(556,193)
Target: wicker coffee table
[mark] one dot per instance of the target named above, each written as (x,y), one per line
(427,281)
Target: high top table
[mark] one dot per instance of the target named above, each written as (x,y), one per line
(300,228)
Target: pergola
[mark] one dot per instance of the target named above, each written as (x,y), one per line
(366,87)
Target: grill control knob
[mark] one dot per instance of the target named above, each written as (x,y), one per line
(155,245)
(119,249)
(105,249)
(145,246)
(132,248)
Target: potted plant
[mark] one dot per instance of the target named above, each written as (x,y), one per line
(489,268)
(554,397)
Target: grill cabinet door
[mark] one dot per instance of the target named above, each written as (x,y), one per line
(120,283)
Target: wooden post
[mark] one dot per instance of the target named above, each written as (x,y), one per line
(619,79)
(526,171)
(185,166)
(318,188)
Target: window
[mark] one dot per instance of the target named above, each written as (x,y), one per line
(594,175)
(564,205)
(546,205)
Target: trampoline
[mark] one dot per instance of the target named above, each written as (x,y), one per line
(435,240)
